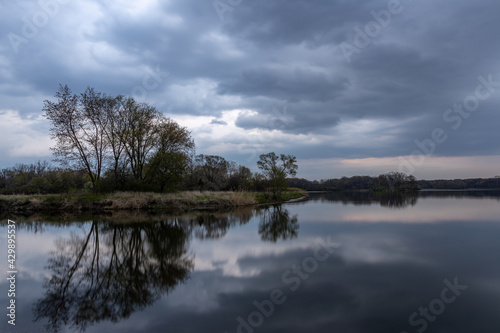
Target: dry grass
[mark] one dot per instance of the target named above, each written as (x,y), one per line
(189,199)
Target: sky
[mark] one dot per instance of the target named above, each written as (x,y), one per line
(349,87)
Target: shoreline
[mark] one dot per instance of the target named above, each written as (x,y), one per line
(138,201)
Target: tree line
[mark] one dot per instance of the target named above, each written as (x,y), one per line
(461,184)
(391,181)
(202,173)
(106,143)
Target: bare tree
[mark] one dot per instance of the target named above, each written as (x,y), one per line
(94,131)
(78,128)
(113,108)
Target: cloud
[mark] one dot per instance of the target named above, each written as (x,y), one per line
(22,137)
(283,22)
(292,84)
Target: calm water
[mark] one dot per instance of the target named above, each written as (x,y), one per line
(332,263)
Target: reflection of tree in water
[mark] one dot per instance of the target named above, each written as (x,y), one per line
(112,271)
(461,194)
(216,225)
(115,269)
(276,223)
(398,199)
(360,198)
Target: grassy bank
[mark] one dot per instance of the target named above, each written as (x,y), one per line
(182,201)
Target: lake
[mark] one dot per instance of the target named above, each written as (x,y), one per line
(334,262)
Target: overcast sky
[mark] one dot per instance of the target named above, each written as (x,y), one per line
(349,87)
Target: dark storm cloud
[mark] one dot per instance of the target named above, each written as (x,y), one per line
(292,85)
(281,22)
(291,119)
(417,78)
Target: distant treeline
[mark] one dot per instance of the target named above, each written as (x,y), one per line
(461,184)
(384,182)
(392,181)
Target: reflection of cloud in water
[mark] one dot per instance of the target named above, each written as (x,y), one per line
(350,293)
(429,210)
(375,247)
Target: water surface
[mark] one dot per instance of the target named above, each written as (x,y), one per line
(336,262)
